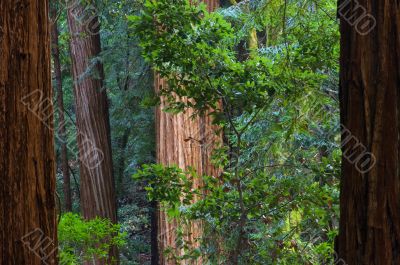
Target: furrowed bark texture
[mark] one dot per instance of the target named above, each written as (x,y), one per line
(55,51)
(96,172)
(370,113)
(184,142)
(27,160)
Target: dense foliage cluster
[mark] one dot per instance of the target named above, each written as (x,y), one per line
(82,240)
(276,200)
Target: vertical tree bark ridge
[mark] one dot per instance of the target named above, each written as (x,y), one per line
(97,180)
(370,106)
(27,163)
(55,50)
(175,148)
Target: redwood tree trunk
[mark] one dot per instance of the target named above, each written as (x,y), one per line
(96,172)
(370,113)
(187,143)
(55,50)
(27,160)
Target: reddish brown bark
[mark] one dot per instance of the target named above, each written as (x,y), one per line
(96,172)
(27,160)
(55,50)
(185,142)
(370,110)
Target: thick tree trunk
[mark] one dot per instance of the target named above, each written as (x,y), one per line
(55,50)
(96,172)
(370,116)
(27,160)
(185,142)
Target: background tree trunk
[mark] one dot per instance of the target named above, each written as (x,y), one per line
(55,50)
(370,111)
(154,234)
(96,172)
(27,167)
(120,167)
(185,142)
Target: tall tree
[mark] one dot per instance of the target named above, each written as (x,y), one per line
(96,169)
(185,142)
(370,106)
(55,51)
(27,161)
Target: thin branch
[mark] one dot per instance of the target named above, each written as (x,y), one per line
(76,182)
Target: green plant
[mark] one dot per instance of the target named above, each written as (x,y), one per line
(83,240)
(281,158)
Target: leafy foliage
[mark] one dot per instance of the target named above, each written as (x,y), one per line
(81,240)
(276,201)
